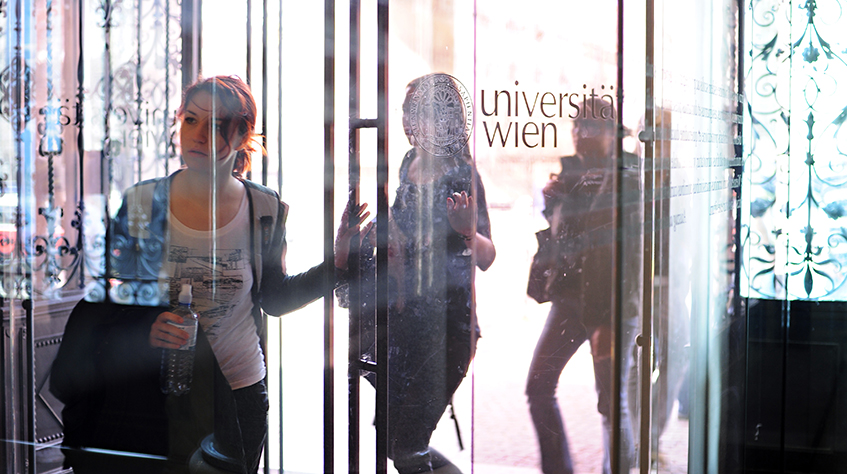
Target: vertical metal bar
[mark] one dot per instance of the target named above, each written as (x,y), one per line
(166,113)
(267,447)
(138,81)
(279,184)
(619,275)
(646,339)
(279,101)
(329,198)
(265,91)
(19,119)
(29,370)
(80,140)
(106,152)
(739,303)
(249,63)
(355,307)
(192,40)
(382,241)
(473,283)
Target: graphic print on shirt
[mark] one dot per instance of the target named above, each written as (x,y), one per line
(216,280)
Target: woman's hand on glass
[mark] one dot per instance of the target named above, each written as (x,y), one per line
(347,230)
(461,212)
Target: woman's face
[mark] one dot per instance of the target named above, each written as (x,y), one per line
(594,139)
(201,135)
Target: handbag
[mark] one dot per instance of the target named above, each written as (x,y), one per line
(553,268)
(541,268)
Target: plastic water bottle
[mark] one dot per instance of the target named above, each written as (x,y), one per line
(178,364)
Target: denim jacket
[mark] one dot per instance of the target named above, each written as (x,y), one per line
(139,239)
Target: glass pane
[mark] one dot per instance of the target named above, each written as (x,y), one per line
(697,182)
(132,82)
(295,137)
(546,141)
(431,250)
(507,129)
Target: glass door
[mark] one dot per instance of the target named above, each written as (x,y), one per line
(697,367)
(612,144)
(550,278)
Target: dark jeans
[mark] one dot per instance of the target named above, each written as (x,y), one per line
(429,356)
(562,335)
(252,411)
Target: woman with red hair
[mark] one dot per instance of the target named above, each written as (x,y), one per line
(189,228)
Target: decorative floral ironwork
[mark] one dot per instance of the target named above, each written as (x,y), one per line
(794,245)
(14,102)
(142,90)
(53,255)
(53,248)
(133,97)
(107,10)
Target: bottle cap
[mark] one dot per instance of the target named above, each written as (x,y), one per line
(185,294)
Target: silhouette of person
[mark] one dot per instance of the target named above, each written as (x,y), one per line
(439,231)
(209,226)
(579,203)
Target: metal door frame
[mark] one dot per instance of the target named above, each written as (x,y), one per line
(356,366)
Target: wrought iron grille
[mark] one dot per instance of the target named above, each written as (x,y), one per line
(795,241)
(87,93)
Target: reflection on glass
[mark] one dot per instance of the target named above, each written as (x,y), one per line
(210,230)
(527,73)
(579,278)
(439,231)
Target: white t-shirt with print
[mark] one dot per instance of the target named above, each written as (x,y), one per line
(217,265)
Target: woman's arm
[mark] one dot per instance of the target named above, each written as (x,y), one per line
(484,250)
(283,293)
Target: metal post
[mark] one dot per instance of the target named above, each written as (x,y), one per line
(80,142)
(267,446)
(382,241)
(249,76)
(617,261)
(329,224)
(646,339)
(279,184)
(356,313)
(191,40)
(265,91)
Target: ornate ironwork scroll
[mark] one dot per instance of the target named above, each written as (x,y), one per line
(139,86)
(127,73)
(16,87)
(795,240)
(54,254)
